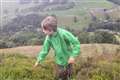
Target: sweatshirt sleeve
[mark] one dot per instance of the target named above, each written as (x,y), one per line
(74,43)
(45,49)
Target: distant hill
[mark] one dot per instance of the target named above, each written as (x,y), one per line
(21,20)
(115,1)
(12,9)
(64,9)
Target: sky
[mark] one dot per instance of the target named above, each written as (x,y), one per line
(8,3)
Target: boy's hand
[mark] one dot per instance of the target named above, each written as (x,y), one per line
(36,64)
(71,60)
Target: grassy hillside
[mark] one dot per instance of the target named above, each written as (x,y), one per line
(96,62)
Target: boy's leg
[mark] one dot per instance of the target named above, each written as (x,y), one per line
(69,70)
(63,73)
(59,72)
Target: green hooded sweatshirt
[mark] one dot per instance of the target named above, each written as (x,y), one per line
(64,44)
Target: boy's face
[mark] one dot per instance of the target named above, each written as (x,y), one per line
(47,32)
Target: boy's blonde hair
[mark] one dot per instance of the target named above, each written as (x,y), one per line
(49,23)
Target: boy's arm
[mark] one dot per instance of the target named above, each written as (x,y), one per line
(43,52)
(75,44)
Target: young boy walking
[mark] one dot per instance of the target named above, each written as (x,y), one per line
(65,45)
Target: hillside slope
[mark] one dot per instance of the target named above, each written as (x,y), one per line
(87,50)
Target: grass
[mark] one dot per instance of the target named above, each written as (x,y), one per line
(19,67)
(99,68)
(89,66)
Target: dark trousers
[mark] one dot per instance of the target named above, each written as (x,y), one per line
(63,72)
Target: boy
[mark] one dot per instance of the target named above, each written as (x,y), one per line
(66,46)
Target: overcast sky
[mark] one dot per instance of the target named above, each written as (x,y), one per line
(9,0)
(8,3)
